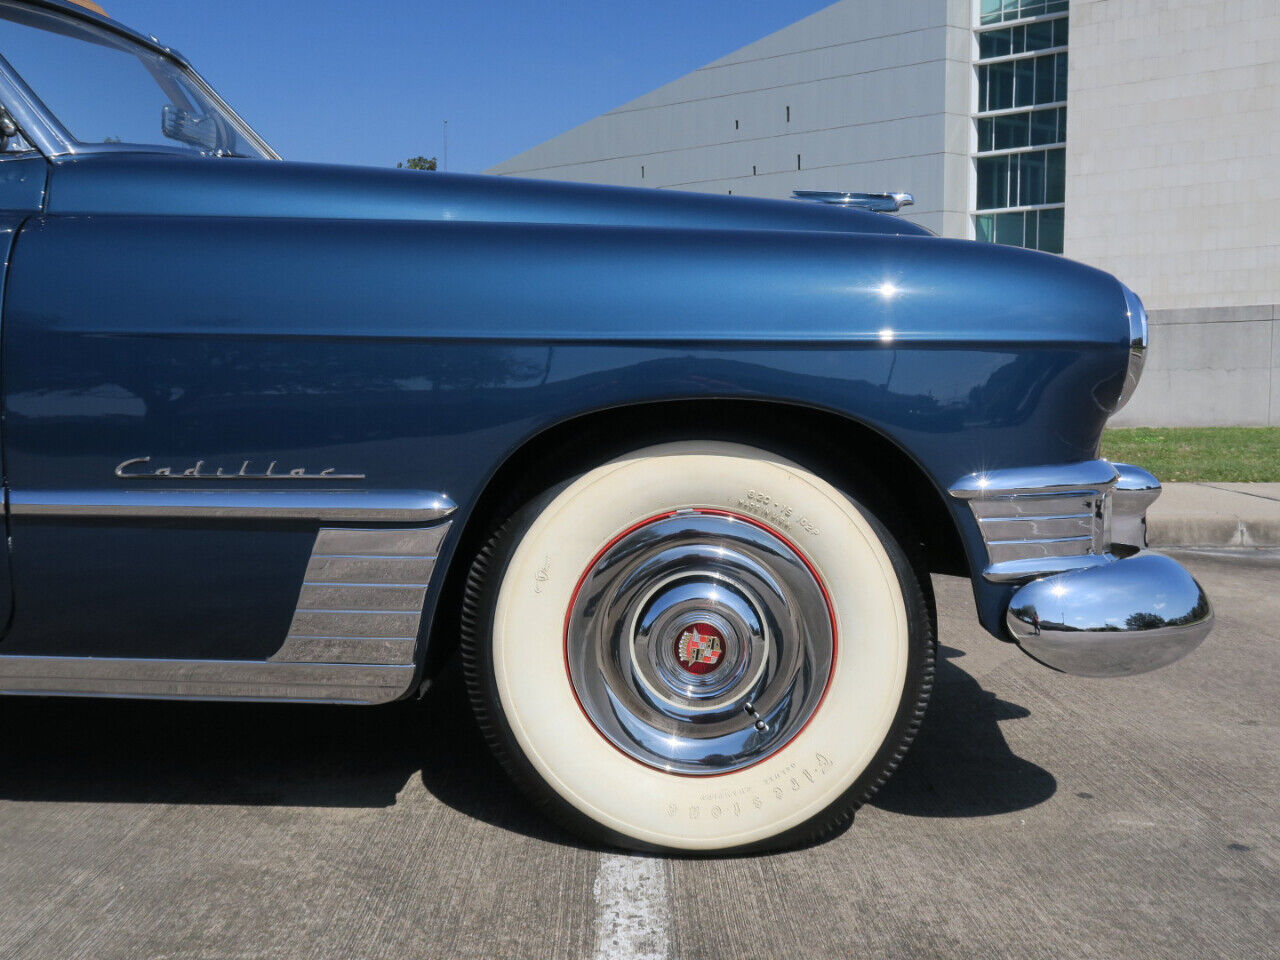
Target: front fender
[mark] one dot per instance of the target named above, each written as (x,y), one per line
(421,354)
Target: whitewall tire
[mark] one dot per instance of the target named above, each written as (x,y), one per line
(697,647)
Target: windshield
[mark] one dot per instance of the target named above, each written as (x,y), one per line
(103,89)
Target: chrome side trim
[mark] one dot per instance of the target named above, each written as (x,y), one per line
(1038,520)
(204,679)
(358,506)
(1128,617)
(362,596)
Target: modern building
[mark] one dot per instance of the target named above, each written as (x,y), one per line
(1140,136)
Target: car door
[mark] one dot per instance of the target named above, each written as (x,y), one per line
(198,470)
(204,496)
(22,183)
(89,403)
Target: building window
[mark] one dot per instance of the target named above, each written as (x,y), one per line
(1030,178)
(1021,123)
(1022,81)
(1032,128)
(998,11)
(1027,38)
(1037,229)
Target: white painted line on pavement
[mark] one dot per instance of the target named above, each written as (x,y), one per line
(633,916)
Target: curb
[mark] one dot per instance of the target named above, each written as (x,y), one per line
(1211,532)
(1215,515)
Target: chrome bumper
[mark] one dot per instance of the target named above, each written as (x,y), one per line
(1092,602)
(1128,617)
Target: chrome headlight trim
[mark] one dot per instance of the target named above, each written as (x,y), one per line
(1138,342)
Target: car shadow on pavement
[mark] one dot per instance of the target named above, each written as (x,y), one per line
(960,764)
(459,770)
(125,751)
(133,751)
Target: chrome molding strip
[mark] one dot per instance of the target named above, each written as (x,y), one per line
(356,506)
(1031,547)
(879,202)
(28,112)
(1089,474)
(205,679)
(362,596)
(1017,570)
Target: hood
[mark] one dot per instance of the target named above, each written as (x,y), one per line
(153,184)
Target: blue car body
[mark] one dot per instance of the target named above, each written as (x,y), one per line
(266,332)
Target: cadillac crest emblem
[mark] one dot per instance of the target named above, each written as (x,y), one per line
(700,648)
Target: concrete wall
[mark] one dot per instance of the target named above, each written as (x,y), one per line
(879,97)
(1173,185)
(1210,366)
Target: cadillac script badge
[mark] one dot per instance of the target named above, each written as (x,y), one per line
(139,468)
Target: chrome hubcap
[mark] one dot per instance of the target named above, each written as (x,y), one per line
(699,642)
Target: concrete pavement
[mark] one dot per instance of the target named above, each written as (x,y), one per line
(1038,815)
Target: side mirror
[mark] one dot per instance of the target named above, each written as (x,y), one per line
(185,127)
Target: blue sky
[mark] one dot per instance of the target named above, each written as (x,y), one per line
(371,82)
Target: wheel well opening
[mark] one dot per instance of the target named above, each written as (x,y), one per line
(848,454)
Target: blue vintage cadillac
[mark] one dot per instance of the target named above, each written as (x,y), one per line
(669,472)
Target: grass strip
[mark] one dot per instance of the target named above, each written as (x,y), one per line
(1218,454)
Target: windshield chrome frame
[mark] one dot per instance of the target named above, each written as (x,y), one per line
(46,132)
